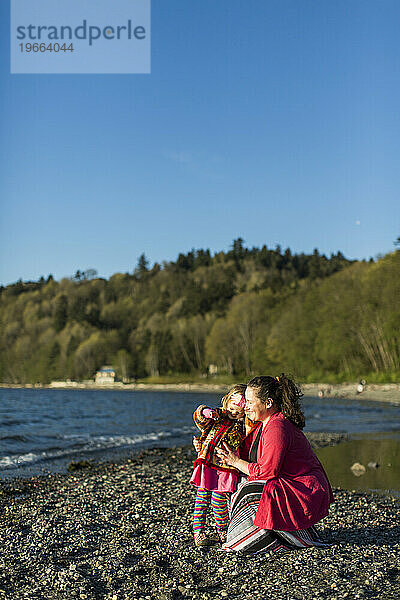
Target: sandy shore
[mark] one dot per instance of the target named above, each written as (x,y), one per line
(123,532)
(385,392)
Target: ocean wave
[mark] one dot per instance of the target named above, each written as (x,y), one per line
(13,438)
(9,422)
(88,443)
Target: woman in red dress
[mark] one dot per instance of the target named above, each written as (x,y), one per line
(286,490)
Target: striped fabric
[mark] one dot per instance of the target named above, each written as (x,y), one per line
(219,504)
(245,537)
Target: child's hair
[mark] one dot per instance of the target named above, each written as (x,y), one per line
(239,388)
(284,393)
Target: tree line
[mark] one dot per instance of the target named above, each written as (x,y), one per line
(245,311)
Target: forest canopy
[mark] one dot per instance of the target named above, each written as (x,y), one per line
(245,311)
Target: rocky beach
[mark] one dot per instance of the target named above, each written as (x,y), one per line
(122,531)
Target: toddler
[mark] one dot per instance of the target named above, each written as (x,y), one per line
(214,482)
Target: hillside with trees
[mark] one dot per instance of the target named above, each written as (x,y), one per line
(245,311)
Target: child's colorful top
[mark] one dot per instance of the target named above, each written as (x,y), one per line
(215,432)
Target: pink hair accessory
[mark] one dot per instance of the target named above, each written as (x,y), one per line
(240,403)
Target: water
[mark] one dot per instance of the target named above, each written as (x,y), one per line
(382,451)
(43,430)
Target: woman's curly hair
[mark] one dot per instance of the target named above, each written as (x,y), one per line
(284,393)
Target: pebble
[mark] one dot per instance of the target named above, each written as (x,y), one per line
(358,469)
(122,531)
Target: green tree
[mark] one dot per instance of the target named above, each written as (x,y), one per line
(61,312)
(89,356)
(142,267)
(122,362)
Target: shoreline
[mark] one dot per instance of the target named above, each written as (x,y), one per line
(385,392)
(122,531)
(62,465)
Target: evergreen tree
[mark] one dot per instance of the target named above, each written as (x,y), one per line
(142,267)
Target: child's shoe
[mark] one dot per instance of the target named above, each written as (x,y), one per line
(222,535)
(200,539)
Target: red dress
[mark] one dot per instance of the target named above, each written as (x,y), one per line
(297,492)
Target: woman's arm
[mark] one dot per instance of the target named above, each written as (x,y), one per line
(274,443)
(229,457)
(273,447)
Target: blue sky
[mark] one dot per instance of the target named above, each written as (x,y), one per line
(276,121)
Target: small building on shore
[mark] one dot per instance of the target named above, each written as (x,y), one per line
(105,375)
(212,369)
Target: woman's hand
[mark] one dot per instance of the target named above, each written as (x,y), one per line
(227,456)
(230,458)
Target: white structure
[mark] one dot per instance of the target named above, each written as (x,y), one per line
(105,375)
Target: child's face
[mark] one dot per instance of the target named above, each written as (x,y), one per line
(233,410)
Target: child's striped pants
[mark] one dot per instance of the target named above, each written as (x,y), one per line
(219,504)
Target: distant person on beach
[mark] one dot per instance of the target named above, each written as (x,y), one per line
(286,490)
(215,482)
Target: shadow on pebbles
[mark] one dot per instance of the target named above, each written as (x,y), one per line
(122,531)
